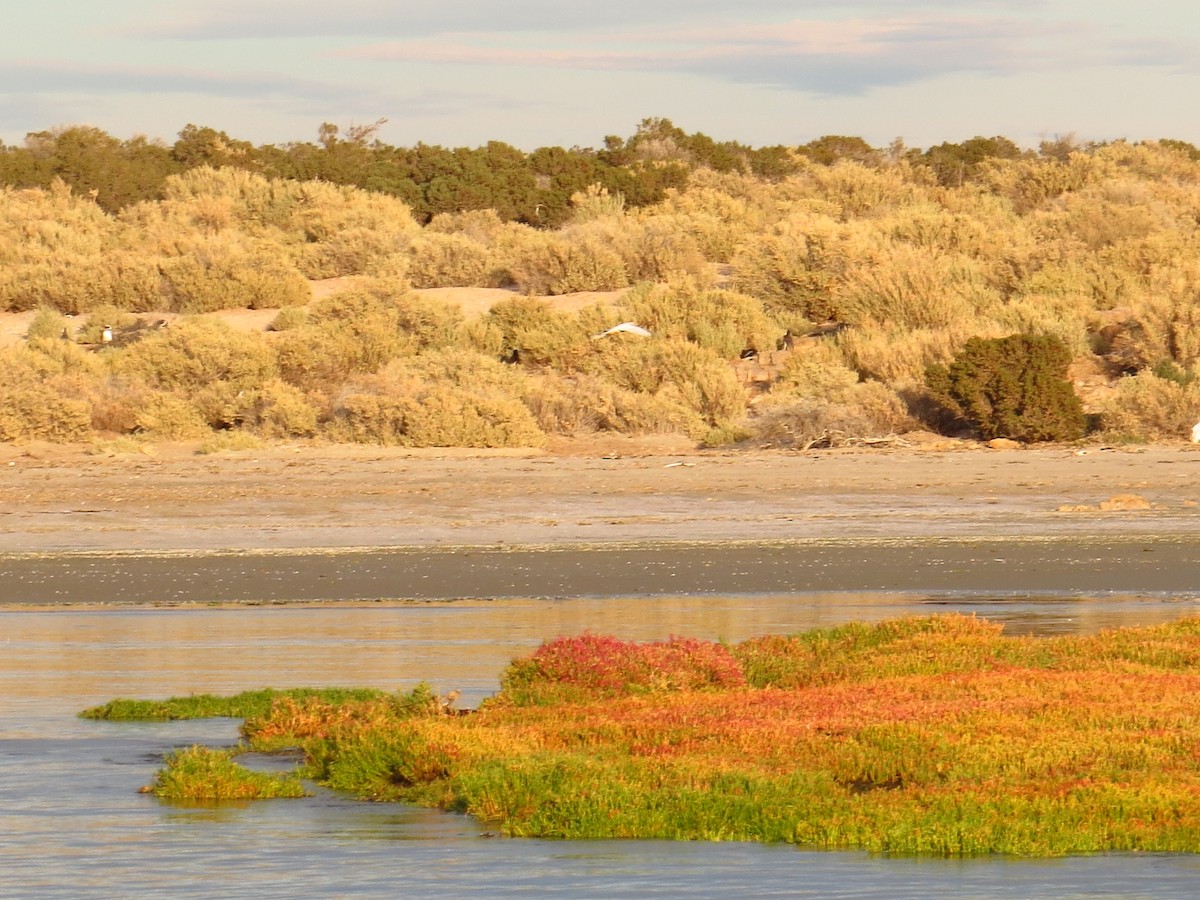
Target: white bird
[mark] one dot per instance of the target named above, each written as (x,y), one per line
(626,327)
(1196,433)
(106,334)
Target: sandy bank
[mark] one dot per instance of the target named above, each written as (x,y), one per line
(55,499)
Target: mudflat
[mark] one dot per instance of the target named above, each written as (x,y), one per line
(630,517)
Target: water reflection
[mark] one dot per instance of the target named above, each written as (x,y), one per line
(72,823)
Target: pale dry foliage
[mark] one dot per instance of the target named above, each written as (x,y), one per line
(1097,248)
(1147,407)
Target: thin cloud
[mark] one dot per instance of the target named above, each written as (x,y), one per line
(43,77)
(231,19)
(833,58)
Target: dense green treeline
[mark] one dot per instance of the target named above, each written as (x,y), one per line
(534,188)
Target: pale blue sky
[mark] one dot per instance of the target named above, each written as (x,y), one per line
(544,72)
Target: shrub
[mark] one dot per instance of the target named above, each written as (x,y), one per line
(436,259)
(170,417)
(865,410)
(194,353)
(34,411)
(440,399)
(47,323)
(220,274)
(1014,387)
(530,331)
(1151,406)
(288,318)
(725,322)
(279,410)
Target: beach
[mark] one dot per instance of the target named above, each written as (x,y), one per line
(451,524)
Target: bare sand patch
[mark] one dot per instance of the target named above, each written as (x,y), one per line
(587,491)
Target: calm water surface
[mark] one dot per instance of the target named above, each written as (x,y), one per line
(73,825)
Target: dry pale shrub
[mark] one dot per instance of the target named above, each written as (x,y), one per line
(1030,183)
(528,330)
(220,273)
(656,249)
(318,358)
(579,258)
(595,202)
(289,318)
(862,191)
(116,403)
(352,332)
(352,232)
(35,411)
(355,251)
(441,399)
(52,357)
(170,417)
(1168,317)
(436,259)
(580,404)
(253,202)
(1064,316)
(815,371)
(429,324)
(584,263)
(37,401)
(1111,213)
(564,404)
(806,423)
(197,352)
(325,229)
(37,225)
(795,266)
(279,410)
(75,285)
(717,212)
(676,370)
(448,417)
(1149,407)
(484,226)
(912,287)
(726,322)
(47,323)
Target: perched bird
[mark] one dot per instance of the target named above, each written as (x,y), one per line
(106,335)
(625,327)
(1196,433)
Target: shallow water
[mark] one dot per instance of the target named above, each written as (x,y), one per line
(73,825)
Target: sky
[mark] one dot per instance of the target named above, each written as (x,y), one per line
(554,72)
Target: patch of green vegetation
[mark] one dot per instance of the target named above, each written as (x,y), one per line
(205,706)
(207,774)
(930,736)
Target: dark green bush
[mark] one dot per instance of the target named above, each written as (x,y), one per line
(1014,387)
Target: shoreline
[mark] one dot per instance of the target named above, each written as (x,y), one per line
(364,524)
(1162,567)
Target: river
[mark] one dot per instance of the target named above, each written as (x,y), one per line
(72,823)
